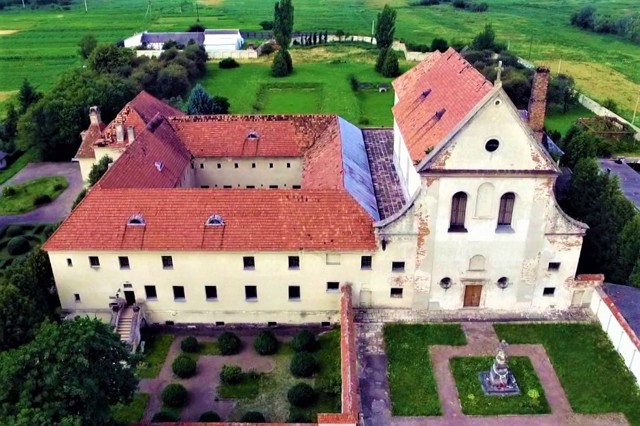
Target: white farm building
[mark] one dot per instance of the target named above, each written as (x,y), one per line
(212,40)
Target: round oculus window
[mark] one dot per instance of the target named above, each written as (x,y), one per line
(492,145)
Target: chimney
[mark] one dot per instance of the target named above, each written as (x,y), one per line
(131,134)
(119,132)
(94,115)
(538,101)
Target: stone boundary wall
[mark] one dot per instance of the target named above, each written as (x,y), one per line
(235,54)
(624,339)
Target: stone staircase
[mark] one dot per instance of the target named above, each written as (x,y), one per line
(124,326)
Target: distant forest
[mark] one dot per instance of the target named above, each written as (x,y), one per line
(33,4)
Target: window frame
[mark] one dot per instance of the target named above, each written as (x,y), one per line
(396,292)
(178,298)
(248,298)
(249,263)
(333,290)
(458,215)
(366,263)
(94,261)
(294,299)
(126,265)
(146,292)
(215,292)
(505,211)
(294,263)
(167,262)
(398,266)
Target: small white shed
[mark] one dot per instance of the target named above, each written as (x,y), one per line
(222,40)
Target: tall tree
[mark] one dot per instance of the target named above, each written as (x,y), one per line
(628,251)
(70,374)
(20,316)
(27,96)
(200,102)
(109,58)
(87,45)
(486,40)
(282,29)
(385,27)
(99,169)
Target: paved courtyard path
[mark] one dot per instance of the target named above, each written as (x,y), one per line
(481,340)
(59,208)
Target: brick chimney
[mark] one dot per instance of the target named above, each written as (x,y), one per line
(94,115)
(119,132)
(131,134)
(538,101)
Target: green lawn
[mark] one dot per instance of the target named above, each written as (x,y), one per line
(248,388)
(271,399)
(36,234)
(592,373)
(205,348)
(517,22)
(17,165)
(412,385)
(561,122)
(156,347)
(474,402)
(26,194)
(289,98)
(132,412)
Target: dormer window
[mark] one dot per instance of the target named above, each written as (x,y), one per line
(136,220)
(252,135)
(215,220)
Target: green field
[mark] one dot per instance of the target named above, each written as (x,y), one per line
(45,42)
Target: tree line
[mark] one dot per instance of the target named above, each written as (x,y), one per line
(627,26)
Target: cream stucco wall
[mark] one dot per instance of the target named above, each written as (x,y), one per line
(194,270)
(258,172)
(87,163)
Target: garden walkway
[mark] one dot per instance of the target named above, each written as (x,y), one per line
(481,340)
(59,208)
(202,386)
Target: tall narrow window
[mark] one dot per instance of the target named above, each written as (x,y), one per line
(124,262)
(178,293)
(506,209)
(251,292)
(150,291)
(458,212)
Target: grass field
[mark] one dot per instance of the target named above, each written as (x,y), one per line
(17,165)
(156,348)
(590,370)
(44,42)
(531,399)
(561,122)
(26,194)
(412,386)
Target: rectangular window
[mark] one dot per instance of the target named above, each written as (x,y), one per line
(202,165)
(219,165)
(333,286)
(365,262)
(94,261)
(76,297)
(294,262)
(505,213)
(271,323)
(397,266)
(150,292)
(204,186)
(235,165)
(69,261)
(458,212)
(296,187)
(124,262)
(294,292)
(178,293)
(211,291)
(219,323)
(273,186)
(554,266)
(288,165)
(167,262)
(253,165)
(251,292)
(333,259)
(249,263)
(549,291)
(271,165)
(251,186)
(128,285)
(227,186)
(396,292)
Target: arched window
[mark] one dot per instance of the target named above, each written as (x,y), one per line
(476,263)
(505,215)
(136,219)
(215,220)
(458,212)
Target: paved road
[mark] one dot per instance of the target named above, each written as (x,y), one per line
(629,179)
(61,206)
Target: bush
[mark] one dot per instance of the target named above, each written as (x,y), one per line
(354,83)
(164,416)
(228,343)
(303,364)
(209,416)
(14,231)
(18,246)
(58,187)
(413,47)
(299,418)
(280,66)
(304,341)
(231,374)
(79,198)
(9,191)
(183,366)
(331,384)
(41,199)
(266,25)
(253,417)
(439,44)
(266,343)
(190,344)
(267,48)
(460,4)
(302,395)
(174,395)
(228,63)
(479,7)
(391,66)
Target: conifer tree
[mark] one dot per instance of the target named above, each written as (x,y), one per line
(282,29)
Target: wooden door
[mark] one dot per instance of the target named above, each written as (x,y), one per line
(472,295)
(130,297)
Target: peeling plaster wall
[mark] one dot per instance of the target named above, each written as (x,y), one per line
(208,173)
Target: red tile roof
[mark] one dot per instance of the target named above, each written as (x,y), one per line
(93,134)
(255,220)
(434,97)
(157,159)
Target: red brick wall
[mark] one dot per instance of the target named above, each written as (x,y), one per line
(538,101)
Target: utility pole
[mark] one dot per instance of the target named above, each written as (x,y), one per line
(635,110)
(86,9)
(530,46)
(559,65)
(197,12)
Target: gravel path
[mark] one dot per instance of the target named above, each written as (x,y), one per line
(61,206)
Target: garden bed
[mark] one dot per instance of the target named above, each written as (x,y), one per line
(29,195)
(156,348)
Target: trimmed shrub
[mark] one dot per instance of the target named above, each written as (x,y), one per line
(253,417)
(304,341)
(14,231)
(18,246)
(41,199)
(59,187)
(174,395)
(190,344)
(228,63)
(303,364)
(302,395)
(231,374)
(164,416)
(228,343)
(9,191)
(183,366)
(266,343)
(209,416)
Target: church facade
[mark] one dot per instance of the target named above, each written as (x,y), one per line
(261,219)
